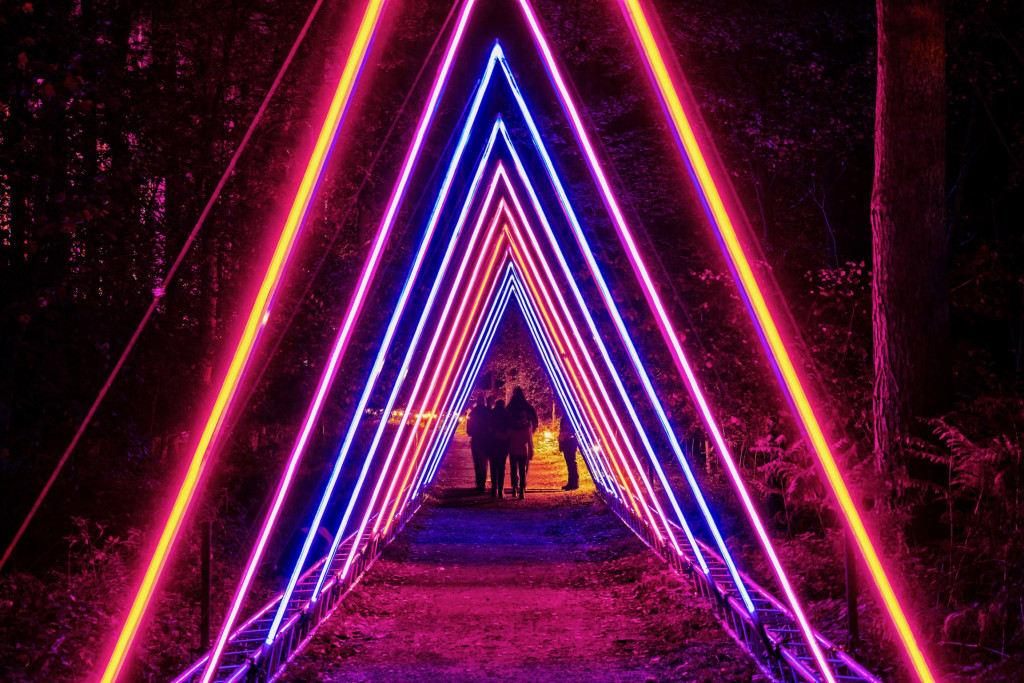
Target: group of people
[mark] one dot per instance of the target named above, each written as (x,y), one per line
(501,433)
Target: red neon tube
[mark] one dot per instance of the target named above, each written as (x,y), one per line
(534,283)
(772,340)
(243,352)
(612,449)
(576,370)
(433,408)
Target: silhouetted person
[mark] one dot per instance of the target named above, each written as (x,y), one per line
(522,421)
(567,445)
(498,448)
(477,428)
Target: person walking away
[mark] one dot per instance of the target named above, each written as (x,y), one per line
(522,420)
(498,448)
(567,445)
(477,428)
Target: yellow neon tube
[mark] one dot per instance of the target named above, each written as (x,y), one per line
(271,280)
(663,81)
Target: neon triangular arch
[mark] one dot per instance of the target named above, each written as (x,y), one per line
(727,235)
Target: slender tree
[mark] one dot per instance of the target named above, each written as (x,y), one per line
(910,300)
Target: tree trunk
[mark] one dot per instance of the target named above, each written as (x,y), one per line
(910,291)
(210,293)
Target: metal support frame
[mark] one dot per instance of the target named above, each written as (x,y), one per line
(773,641)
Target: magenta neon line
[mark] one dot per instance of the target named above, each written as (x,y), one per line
(668,333)
(446,409)
(385,469)
(582,374)
(434,435)
(383,233)
(378,365)
(406,362)
(429,464)
(567,273)
(527,266)
(555,372)
(531,266)
(445,357)
(620,328)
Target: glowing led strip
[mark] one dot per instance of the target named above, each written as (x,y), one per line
(341,343)
(613,370)
(243,352)
(392,327)
(569,401)
(597,172)
(381,355)
(771,339)
(491,267)
(429,410)
(449,412)
(467,331)
(555,372)
(446,411)
(432,410)
(528,270)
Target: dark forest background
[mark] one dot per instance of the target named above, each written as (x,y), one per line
(117,119)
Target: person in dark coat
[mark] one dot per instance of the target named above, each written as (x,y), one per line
(522,420)
(567,445)
(477,426)
(498,448)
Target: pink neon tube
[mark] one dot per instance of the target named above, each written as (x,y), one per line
(432,385)
(490,282)
(243,352)
(341,343)
(587,391)
(445,381)
(668,333)
(414,400)
(456,326)
(371,506)
(790,382)
(601,386)
(553,323)
(532,277)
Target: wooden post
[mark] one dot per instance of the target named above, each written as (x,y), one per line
(205,586)
(852,625)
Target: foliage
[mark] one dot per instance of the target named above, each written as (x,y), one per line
(513,361)
(117,118)
(52,627)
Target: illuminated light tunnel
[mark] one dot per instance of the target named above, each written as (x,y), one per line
(608,449)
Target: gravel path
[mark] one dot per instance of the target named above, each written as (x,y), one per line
(550,588)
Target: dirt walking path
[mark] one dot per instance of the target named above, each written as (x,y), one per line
(550,588)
